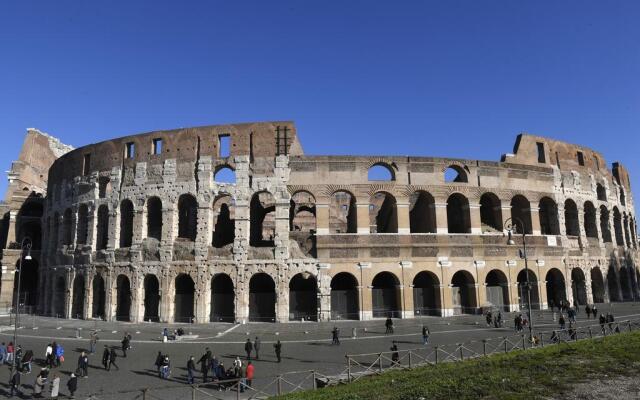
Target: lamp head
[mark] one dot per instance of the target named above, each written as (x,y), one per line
(510,240)
(28,256)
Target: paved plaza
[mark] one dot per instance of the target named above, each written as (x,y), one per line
(306,346)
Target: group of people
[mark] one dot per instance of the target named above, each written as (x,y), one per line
(520,322)
(214,370)
(494,319)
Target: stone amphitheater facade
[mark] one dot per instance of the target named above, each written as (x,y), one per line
(235,223)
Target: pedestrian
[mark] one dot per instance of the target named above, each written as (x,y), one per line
(562,322)
(93,342)
(165,335)
(165,369)
(354,333)
(395,356)
(191,369)
(59,352)
(278,349)
(112,359)
(72,385)
(105,357)
(489,318)
(610,321)
(10,353)
(335,334)
(587,310)
(158,361)
(125,345)
(55,386)
(256,346)
(237,363)
(250,371)
(204,362)
(248,348)
(425,334)
(602,320)
(83,365)
(499,318)
(38,386)
(594,311)
(26,361)
(388,325)
(15,384)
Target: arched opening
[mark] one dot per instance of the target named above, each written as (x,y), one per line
(426,294)
(99,298)
(123,304)
(497,288)
(549,217)
(302,213)
(28,224)
(344,296)
(625,284)
(458,216)
(102,228)
(151,298)
(385,295)
(77,305)
(590,225)
(572,225)
(342,213)
(185,291)
(490,213)
(381,172)
(604,225)
(28,284)
(59,298)
(522,290)
(303,297)
(383,213)
(622,198)
(104,186)
(455,174)
(617,225)
(422,214)
(126,223)
(556,290)
(67,232)
(262,298)
(263,220)
(597,285)
(222,299)
(613,284)
(627,236)
(578,287)
(521,211)
(463,291)
(601,192)
(225,174)
(154,218)
(224,230)
(187,217)
(83,224)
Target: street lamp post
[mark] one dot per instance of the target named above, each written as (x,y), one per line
(25,244)
(509,225)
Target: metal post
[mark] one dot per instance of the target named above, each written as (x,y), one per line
(410,365)
(380,362)
(505,344)
(461,352)
(237,390)
(348,368)
(144,393)
(279,385)
(590,333)
(524,343)
(436,355)
(14,365)
(193,392)
(315,385)
(484,347)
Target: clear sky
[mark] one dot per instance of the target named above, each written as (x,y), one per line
(445,78)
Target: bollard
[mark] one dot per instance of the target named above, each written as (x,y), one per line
(315,385)
(505,343)
(144,393)
(629,322)
(461,352)
(524,343)
(410,364)
(436,355)
(279,386)
(348,368)
(484,347)
(590,333)
(380,361)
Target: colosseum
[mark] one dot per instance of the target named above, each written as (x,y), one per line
(234,223)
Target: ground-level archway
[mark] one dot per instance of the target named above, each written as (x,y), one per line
(556,289)
(222,299)
(185,292)
(597,285)
(262,298)
(463,292)
(612,284)
(497,290)
(99,297)
(123,305)
(385,296)
(28,285)
(578,287)
(426,294)
(77,305)
(625,284)
(303,297)
(60,290)
(151,298)
(344,296)
(533,287)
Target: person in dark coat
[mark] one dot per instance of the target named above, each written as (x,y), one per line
(278,349)
(191,370)
(72,385)
(248,348)
(105,357)
(602,321)
(204,364)
(395,356)
(158,362)
(256,345)
(83,365)
(125,345)
(112,359)
(389,325)
(15,384)
(335,336)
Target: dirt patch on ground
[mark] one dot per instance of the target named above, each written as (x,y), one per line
(621,388)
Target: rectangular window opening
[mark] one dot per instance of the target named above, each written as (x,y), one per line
(580,158)
(541,157)
(157,146)
(597,161)
(86,165)
(130,150)
(224,145)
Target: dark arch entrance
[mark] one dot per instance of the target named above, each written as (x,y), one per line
(625,286)
(426,294)
(344,296)
(303,297)
(463,293)
(597,285)
(123,306)
(151,298)
(60,290)
(497,288)
(28,284)
(222,299)
(77,305)
(262,298)
(99,297)
(522,290)
(556,292)
(185,290)
(612,284)
(578,287)
(386,296)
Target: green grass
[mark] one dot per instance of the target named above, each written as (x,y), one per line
(518,375)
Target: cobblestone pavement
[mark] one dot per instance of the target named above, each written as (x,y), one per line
(306,346)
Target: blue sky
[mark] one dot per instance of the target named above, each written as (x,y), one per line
(446,78)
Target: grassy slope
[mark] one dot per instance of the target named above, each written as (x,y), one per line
(522,374)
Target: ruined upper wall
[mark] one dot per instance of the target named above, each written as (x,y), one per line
(261,139)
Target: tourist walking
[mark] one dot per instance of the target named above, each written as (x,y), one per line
(610,321)
(602,320)
(256,345)
(388,325)
(165,368)
(158,362)
(425,334)
(489,318)
(10,353)
(55,386)
(39,384)
(562,321)
(72,385)
(248,348)
(335,335)
(250,371)
(277,346)
(395,355)
(93,342)
(15,384)
(112,359)
(587,310)
(105,357)
(126,342)
(204,364)
(83,365)
(58,350)
(191,369)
